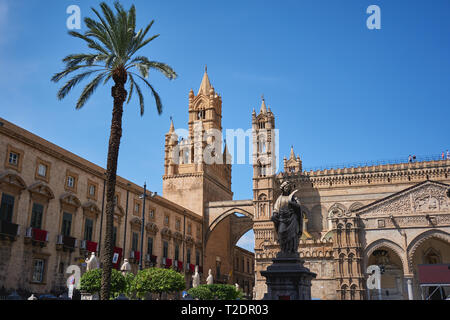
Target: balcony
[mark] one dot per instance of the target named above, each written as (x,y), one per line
(135,256)
(8,230)
(87,246)
(166,263)
(36,236)
(150,260)
(178,265)
(66,243)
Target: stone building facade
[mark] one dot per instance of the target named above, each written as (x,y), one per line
(393,215)
(353,217)
(52,216)
(243,273)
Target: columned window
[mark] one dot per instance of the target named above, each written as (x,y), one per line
(36,216)
(38,270)
(7,207)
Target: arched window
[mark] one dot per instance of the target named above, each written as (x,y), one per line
(350,264)
(341,264)
(344,292)
(353,292)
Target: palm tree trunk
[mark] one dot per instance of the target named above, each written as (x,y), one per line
(119,94)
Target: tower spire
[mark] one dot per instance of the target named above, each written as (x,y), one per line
(263,105)
(205,86)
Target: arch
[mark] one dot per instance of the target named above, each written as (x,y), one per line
(11,178)
(70,199)
(42,189)
(385,243)
(421,238)
(228,212)
(91,207)
(355,206)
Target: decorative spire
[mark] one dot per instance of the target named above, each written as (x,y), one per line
(205,86)
(172,128)
(292,156)
(263,106)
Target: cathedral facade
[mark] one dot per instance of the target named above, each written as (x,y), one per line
(396,216)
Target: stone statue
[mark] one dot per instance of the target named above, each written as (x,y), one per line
(32,297)
(287,216)
(196,278)
(92,262)
(237,286)
(210,279)
(126,267)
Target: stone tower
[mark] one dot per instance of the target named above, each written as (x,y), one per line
(196,171)
(264,169)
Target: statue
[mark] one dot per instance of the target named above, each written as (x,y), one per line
(126,267)
(92,262)
(210,279)
(196,278)
(287,216)
(237,286)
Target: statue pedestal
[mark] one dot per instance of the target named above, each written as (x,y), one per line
(288,279)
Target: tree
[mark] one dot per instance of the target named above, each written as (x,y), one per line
(157,280)
(115,42)
(215,292)
(91,282)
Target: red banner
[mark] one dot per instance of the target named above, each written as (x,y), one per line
(434,273)
(180,265)
(39,235)
(119,252)
(91,246)
(168,263)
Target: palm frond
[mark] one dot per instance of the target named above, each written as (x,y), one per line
(89,90)
(139,92)
(155,94)
(62,93)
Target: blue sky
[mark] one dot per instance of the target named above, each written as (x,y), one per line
(340,92)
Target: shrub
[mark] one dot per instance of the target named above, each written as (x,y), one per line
(91,282)
(215,292)
(157,280)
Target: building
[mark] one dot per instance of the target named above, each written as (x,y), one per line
(396,215)
(243,272)
(393,215)
(52,216)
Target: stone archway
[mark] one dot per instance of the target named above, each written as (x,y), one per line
(391,257)
(429,247)
(223,229)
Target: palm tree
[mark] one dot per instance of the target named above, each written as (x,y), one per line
(115,42)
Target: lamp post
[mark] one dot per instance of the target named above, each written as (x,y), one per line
(144,196)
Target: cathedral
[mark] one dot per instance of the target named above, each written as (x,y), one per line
(394,216)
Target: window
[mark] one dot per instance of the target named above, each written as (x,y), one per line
(248,266)
(13,159)
(165,249)
(135,241)
(70,182)
(114,236)
(137,207)
(197,258)
(188,256)
(150,246)
(7,207)
(189,229)
(178,224)
(36,216)
(152,214)
(116,199)
(66,224)
(166,220)
(88,229)
(42,170)
(92,190)
(177,251)
(38,270)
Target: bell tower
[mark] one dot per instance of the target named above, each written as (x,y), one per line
(264,169)
(196,171)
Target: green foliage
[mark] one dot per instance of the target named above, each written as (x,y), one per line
(129,280)
(157,280)
(215,292)
(91,282)
(114,42)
